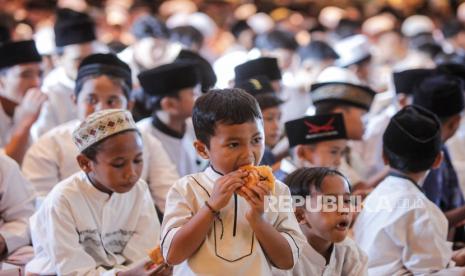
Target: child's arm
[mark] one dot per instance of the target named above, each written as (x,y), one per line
(273,243)
(191,235)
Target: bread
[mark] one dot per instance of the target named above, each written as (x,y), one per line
(259,173)
(156,256)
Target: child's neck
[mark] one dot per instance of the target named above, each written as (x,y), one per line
(322,246)
(175,123)
(416,177)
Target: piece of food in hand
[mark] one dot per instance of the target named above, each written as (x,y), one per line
(156,256)
(257,174)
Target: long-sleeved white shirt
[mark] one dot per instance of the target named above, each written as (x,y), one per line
(52,158)
(346,259)
(16,204)
(230,247)
(59,107)
(180,150)
(402,231)
(79,230)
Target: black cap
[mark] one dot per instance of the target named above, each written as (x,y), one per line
(169,78)
(149,26)
(257,85)
(441,94)
(317,50)
(72,27)
(261,66)
(344,93)
(413,133)
(452,68)
(103,64)
(18,52)
(204,68)
(405,81)
(314,129)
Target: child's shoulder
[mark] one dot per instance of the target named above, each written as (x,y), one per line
(71,187)
(281,188)
(351,250)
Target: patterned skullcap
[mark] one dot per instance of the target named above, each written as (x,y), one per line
(101,125)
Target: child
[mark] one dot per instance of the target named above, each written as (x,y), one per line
(102,218)
(318,141)
(266,66)
(329,251)
(260,87)
(75,39)
(399,228)
(16,206)
(170,121)
(20,98)
(353,101)
(443,95)
(208,229)
(103,82)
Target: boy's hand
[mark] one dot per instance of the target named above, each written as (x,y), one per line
(255,196)
(143,268)
(224,188)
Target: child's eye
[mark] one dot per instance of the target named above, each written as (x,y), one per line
(257,140)
(118,165)
(233,145)
(138,161)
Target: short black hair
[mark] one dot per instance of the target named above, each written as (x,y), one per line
(268,100)
(303,181)
(329,107)
(187,36)
(407,165)
(276,39)
(92,151)
(225,106)
(238,27)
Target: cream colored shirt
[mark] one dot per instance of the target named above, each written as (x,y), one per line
(79,230)
(230,247)
(346,259)
(52,158)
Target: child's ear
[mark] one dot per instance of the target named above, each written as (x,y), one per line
(438,161)
(201,149)
(168,104)
(84,163)
(300,215)
(304,154)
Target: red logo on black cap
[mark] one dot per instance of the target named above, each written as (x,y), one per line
(312,128)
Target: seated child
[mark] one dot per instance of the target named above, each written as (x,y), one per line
(208,229)
(16,206)
(260,87)
(329,251)
(101,219)
(316,141)
(103,82)
(399,228)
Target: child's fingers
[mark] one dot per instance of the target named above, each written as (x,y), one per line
(251,196)
(265,187)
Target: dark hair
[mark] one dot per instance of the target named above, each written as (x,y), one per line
(225,106)
(305,180)
(187,36)
(451,28)
(91,151)
(329,107)
(115,80)
(268,100)
(347,27)
(276,39)
(407,165)
(238,27)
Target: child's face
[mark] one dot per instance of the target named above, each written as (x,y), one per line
(353,120)
(272,123)
(98,94)
(233,146)
(325,154)
(184,103)
(330,226)
(118,164)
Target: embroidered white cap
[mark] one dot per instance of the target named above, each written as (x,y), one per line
(101,125)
